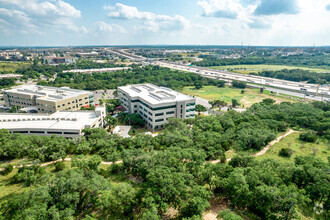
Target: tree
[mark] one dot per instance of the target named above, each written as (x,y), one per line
(226,214)
(59,166)
(220,104)
(268,101)
(308,137)
(198,85)
(234,103)
(200,108)
(119,200)
(111,121)
(212,103)
(285,152)
(238,84)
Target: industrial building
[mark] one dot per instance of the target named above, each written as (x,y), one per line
(47,99)
(156,104)
(68,124)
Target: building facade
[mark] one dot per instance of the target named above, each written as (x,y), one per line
(47,99)
(156,104)
(60,60)
(69,124)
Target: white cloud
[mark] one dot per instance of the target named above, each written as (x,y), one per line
(105,27)
(10,19)
(149,21)
(221,8)
(47,13)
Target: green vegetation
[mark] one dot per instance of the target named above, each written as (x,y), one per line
(228,215)
(150,74)
(247,69)
(170,170)
(297,75)
(320,61)
(320,149)
(11,67)
(246,99)
(35,71)
(7,82)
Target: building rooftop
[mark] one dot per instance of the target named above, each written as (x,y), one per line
(48,93)
(64,120)
(154,94)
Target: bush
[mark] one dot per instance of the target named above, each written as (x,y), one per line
(7,169)
(238,84)
(285,152)
(59,166)
(228,215)
(308,137)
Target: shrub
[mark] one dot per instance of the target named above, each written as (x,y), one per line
(308,137)
(7,169)
(59,166)
(285,152)
(228,215)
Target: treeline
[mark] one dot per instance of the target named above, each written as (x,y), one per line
(7,82)
(320,60)
(250,130)
(297,75)
(35,71)
(150,74)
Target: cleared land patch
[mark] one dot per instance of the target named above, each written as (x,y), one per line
(12,66)
(319,149)
(226,94)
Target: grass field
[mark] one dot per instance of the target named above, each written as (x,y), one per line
(12,66)
(246,69)
(226,94)
(320,149)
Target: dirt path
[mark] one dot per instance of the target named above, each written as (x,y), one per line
(264,150)
(65,159)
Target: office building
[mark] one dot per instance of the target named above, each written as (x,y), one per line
(156,104)
(47,99)
(68,124)
(60,60)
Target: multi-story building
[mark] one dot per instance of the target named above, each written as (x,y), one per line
(47,99)
(156,104)
(69,124)
(60,60)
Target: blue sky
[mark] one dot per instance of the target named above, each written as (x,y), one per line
(127,22)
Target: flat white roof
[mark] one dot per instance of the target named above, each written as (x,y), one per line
(48,93)
(96,70)
(154,94)
(63,120)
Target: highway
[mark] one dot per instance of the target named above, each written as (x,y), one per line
(299,89)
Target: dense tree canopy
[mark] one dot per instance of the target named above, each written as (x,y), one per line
(172,169)
(150,74)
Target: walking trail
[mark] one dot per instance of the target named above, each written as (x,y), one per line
(262,152)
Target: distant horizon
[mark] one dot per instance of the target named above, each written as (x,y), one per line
(163,45)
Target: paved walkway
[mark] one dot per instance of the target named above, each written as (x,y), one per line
(122,130)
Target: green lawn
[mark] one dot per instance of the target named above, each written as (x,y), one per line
(227,93)
(12,66)
(320,149)
(246,69)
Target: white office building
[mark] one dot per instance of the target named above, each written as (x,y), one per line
(68,124)
(156,104)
